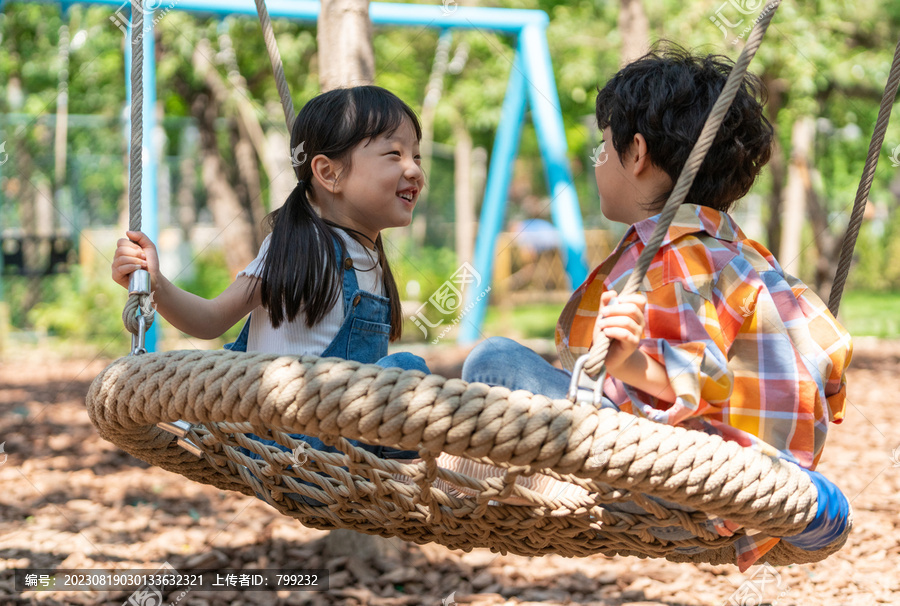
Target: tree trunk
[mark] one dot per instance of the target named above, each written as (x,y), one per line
(465,195)
(277,163)
(248,171)
(186,215)
(634,27)
(346,55)
(802,137)
(229,215)
(776,88)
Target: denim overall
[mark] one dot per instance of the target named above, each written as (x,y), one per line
(362,337)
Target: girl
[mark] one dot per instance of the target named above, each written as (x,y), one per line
(321,284)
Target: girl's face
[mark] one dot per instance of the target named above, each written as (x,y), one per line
(380,186)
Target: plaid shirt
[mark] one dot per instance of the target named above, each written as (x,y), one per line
(752,354)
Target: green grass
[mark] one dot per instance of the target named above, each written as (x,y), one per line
(862,313)
(874,314)
(535,321)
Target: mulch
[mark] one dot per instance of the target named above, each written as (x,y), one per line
(71,500)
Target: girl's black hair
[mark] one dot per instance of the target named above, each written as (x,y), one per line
(301,272)
(666,95)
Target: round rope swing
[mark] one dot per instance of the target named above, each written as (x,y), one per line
(616,480)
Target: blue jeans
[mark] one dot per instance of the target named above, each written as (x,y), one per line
(501,361)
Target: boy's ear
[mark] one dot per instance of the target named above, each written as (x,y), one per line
(326,172)
(641,158)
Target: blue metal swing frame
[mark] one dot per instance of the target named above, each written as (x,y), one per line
(531,84)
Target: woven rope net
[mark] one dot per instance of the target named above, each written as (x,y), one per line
(604,456)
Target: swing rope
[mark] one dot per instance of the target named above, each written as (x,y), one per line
(138,304)
(865,183)
(284,92)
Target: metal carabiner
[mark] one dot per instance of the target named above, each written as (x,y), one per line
(576,375)
(139,284)
(137,341)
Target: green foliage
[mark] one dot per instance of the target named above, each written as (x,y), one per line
(75,306)
(426,267)
(823,58)
(210,275)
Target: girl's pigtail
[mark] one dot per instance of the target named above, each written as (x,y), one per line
(390,286)
(300,267)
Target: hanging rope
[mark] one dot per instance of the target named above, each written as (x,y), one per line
(275,58)
(597,356)
(137,304)
(865,184)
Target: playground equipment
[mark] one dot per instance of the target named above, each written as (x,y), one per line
(204,403)
(531,84)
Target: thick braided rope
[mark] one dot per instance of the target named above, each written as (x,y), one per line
(865,184)
(610,453)
(135,302)
(277,67)
(597,355)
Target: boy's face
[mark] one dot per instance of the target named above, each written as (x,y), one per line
(613,182)
(628,183)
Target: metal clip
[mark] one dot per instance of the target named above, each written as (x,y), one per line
(181,429)
(178,428)
(190,447)
(576,375)
(139,282)
(137,341)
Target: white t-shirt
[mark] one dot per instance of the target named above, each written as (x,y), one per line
(295,338)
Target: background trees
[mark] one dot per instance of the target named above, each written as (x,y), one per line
(223,136)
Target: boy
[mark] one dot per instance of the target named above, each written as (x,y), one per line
(721,340)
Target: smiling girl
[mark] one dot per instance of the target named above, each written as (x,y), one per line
(321,284)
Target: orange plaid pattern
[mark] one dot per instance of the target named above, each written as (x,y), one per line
(752,354)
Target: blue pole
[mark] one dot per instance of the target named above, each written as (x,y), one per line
(149,212)
(551,136)
(493,209)
(381,13)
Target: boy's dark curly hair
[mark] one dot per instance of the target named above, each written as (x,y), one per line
(666,95)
